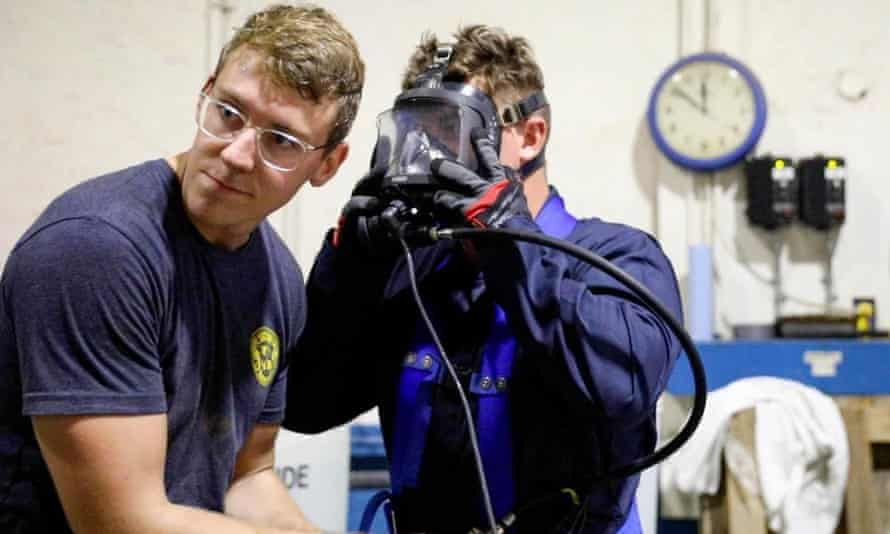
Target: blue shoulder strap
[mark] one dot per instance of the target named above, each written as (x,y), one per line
(632,523)
(491,383)
(421,369)
(553,219)
(494,427)
(381,498)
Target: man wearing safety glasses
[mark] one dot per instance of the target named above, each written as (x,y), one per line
(147,315)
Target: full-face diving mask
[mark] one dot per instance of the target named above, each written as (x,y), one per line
(434,120)
(430,123)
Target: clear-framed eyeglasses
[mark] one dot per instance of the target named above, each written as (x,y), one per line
(279,150)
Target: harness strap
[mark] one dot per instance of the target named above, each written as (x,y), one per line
(491,385)
(632,523)
(382,497)
(423,367)
(554,220)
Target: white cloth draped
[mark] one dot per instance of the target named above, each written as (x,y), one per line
(801,448)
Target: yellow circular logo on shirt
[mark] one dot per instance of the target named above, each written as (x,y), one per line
(264,354)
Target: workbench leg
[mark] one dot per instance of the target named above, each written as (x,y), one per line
(860,502)
(734,510)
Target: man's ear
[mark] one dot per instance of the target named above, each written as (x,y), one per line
(329,166)
(534,137)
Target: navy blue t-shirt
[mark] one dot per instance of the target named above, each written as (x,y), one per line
(113,303)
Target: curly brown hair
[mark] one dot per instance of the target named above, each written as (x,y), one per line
(306,48)
(500,64)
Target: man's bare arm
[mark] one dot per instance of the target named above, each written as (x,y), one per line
(257,494)
(109,473)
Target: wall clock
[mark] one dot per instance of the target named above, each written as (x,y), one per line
(706,112)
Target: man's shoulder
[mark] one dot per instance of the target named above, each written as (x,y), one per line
(110,222)
(602,234)
(133,201)
(142,188)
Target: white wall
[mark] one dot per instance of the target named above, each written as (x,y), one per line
(94,85)
(793,48)
(90,86)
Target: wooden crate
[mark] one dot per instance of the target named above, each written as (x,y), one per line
(734,510)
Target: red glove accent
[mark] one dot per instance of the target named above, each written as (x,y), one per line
(485,202)
(335,239)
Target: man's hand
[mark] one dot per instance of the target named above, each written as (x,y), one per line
(256,494)
(467,196)
(359,228)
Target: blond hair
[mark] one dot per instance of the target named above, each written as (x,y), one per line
(306,48)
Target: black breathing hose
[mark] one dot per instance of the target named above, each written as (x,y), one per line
(391,218)
(698,370)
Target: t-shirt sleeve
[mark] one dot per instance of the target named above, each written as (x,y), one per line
(85,306)
(273,410)
(295,303)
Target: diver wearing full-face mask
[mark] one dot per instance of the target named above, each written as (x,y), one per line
(562,364)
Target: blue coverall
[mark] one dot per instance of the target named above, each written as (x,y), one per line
(591,364)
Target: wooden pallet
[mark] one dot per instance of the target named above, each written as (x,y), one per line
(735,510)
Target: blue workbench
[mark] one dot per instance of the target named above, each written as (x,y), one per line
(834,366)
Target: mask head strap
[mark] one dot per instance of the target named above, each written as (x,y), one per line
(522,109)
(432,77)
(518,112)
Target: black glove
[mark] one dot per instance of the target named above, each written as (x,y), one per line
(359,228)
(468,197)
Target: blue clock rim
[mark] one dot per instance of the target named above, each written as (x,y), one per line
(727,160)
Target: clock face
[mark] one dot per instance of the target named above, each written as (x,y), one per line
(707,112)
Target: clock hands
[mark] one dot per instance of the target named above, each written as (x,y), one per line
(701,106)
(685,96)
(704,96)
